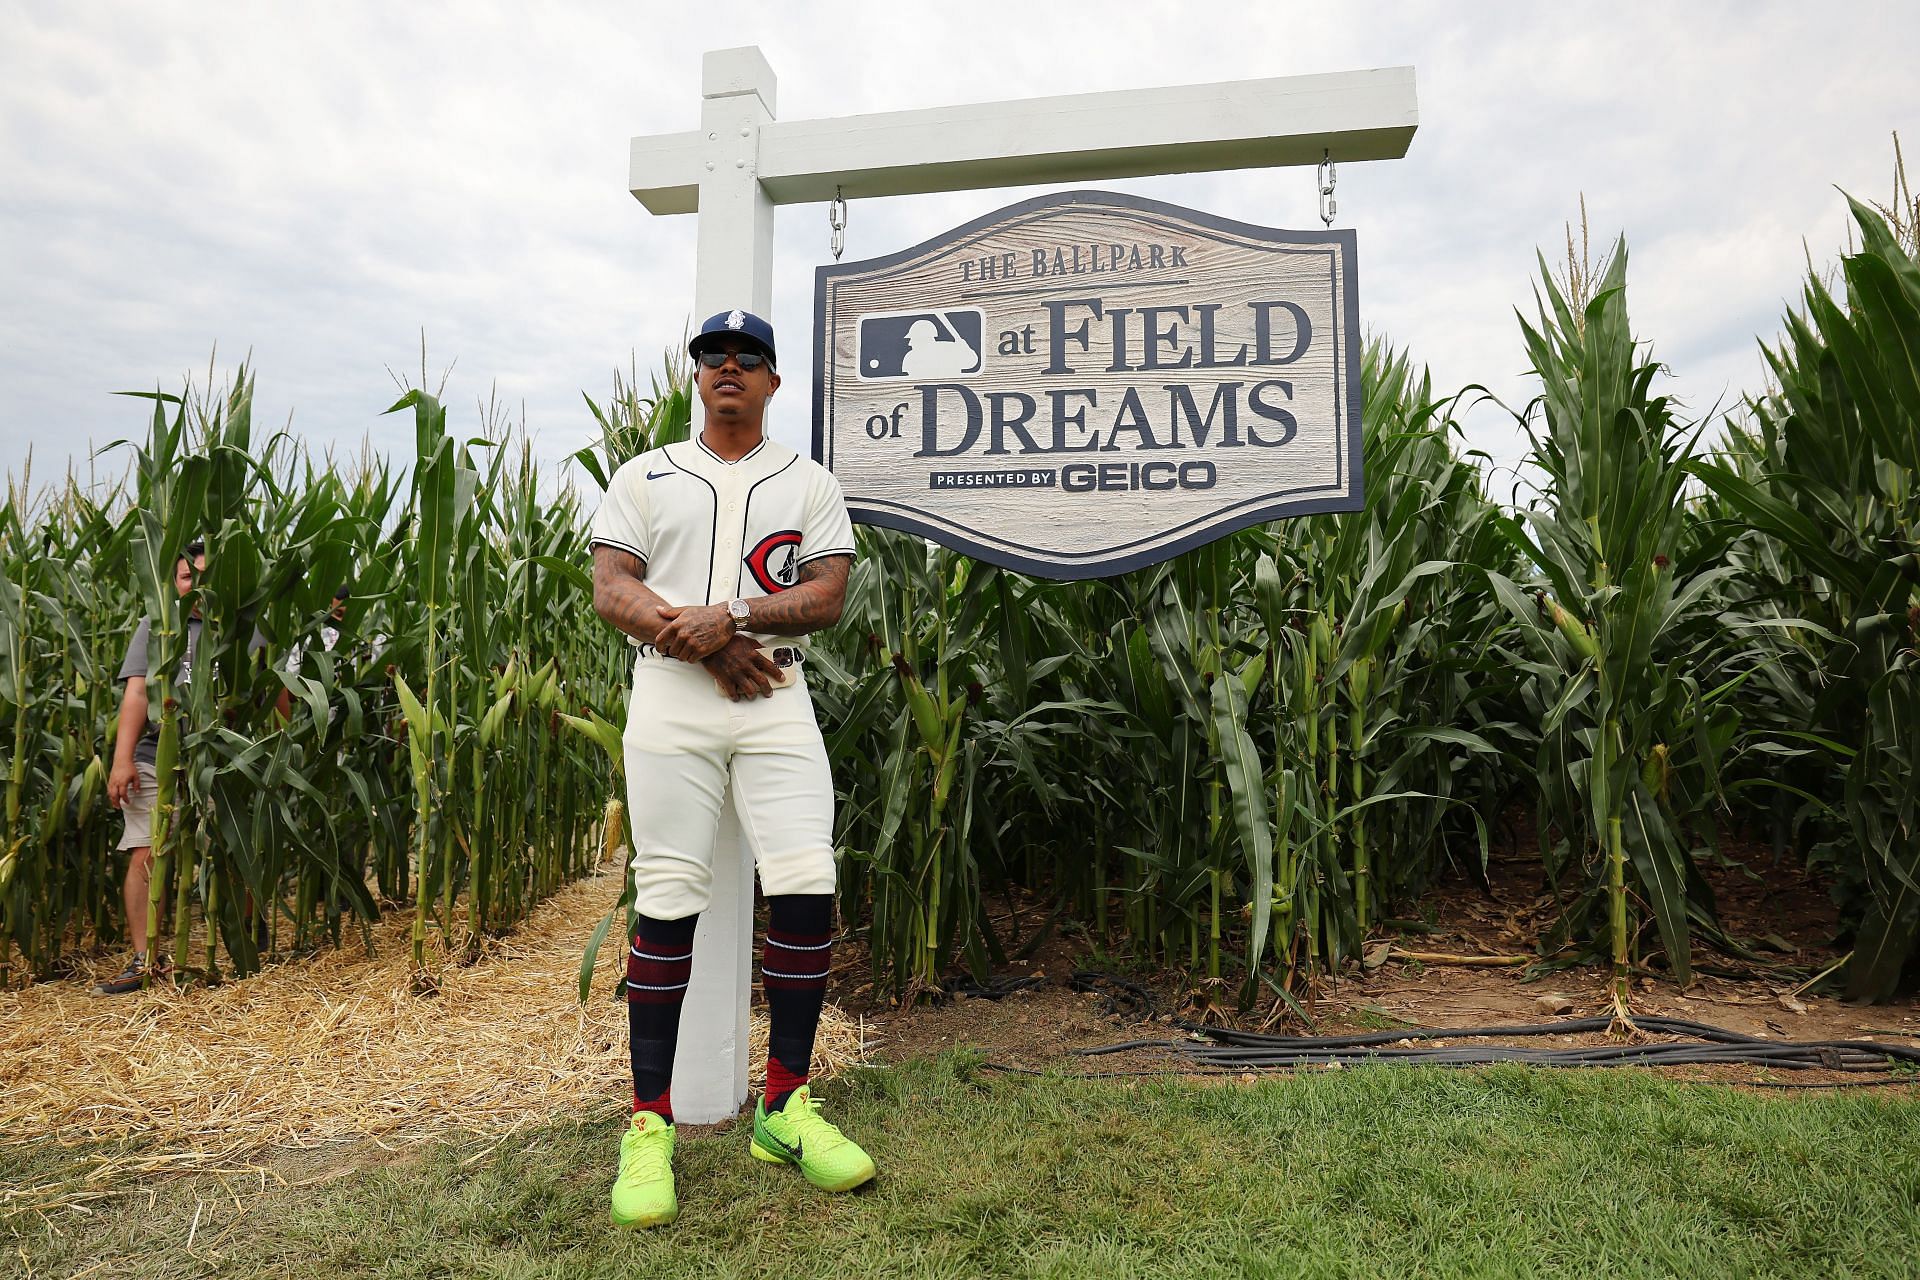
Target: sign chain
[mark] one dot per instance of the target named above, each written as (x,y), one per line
(837,219)
(1328,205)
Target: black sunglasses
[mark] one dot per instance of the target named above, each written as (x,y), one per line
(747,360)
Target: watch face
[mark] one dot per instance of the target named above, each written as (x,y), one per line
(738,608)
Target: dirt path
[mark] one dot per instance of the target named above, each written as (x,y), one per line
(1777,906)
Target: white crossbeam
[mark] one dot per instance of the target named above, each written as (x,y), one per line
(1242,124)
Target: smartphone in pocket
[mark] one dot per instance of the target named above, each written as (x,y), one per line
(788,673)
(785,675)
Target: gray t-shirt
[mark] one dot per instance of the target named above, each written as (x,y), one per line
(146,750)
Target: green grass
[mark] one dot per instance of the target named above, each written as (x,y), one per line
(1383,1172)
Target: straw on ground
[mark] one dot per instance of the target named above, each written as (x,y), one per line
(336,1051)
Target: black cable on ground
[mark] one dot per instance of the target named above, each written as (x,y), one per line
(1878,1082)
(1118,997)
(992,988)
(1226,1051)
(1704,1045)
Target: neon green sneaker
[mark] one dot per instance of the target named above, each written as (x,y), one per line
(798,1135)
(643,1193)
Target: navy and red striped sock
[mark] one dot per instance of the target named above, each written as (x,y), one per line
(659,962)
(793,973)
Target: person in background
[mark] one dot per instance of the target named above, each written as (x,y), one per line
(132,782)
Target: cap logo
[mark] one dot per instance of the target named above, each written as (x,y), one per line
(736,319)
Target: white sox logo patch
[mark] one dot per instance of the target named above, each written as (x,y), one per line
(774,561)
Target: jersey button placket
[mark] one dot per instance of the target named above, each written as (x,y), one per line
(726,559)
(726,541)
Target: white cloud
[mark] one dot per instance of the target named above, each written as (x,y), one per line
(319,183)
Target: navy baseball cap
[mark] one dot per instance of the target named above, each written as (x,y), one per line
(734,324)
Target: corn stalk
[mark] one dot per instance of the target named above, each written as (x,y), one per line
(1611,642)
(1825,477)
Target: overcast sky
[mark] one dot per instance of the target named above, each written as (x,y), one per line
(316,184)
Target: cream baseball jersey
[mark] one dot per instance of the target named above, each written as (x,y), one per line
(711,530)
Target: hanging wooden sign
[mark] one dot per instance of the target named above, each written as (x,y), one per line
(1085,383)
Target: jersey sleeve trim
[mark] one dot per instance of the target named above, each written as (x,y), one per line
(602,539)
(821,555)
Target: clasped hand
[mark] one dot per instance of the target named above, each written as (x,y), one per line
(705,634)
(694,632)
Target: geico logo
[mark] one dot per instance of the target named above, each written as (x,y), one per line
(1105,477)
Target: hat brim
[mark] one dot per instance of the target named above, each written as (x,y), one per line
(708,341)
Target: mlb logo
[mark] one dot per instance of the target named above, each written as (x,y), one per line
(922,345)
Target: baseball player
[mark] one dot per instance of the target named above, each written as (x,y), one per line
(717,557)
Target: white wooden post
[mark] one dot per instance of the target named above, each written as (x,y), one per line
(740,163)
(733,267)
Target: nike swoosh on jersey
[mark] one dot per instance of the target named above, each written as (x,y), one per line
(655,475)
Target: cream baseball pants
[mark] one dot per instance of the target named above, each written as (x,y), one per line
(686,742)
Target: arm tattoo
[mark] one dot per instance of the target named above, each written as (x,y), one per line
(621,594)
(809,605)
